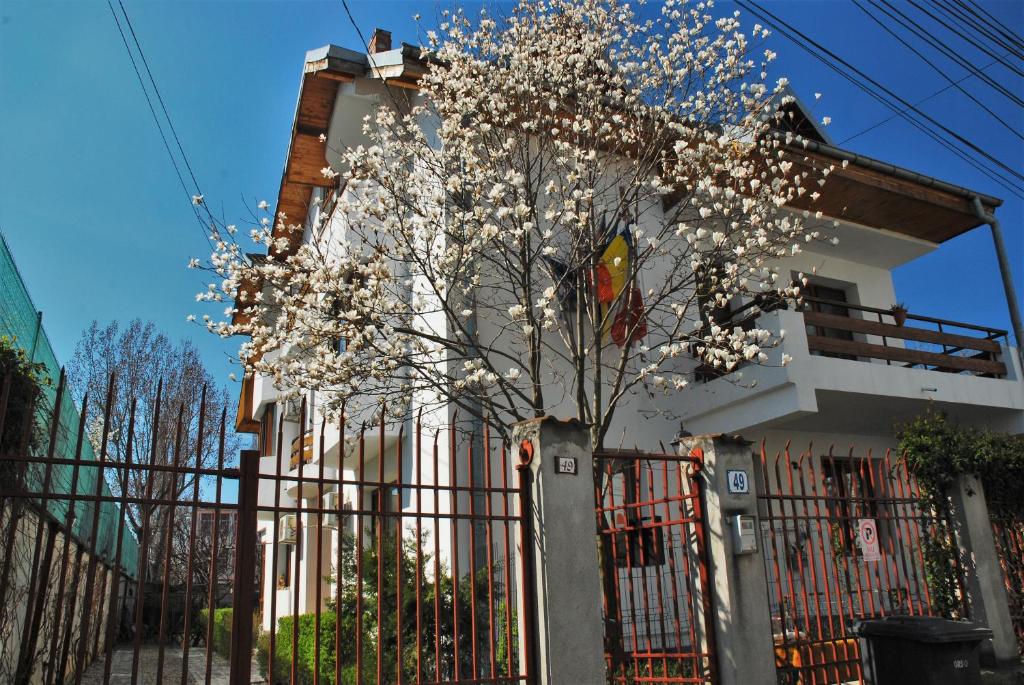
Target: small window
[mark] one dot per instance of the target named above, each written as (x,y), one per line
(849,497)
(384,501)
(284,565)
(267,444)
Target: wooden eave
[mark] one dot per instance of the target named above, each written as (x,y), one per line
(244,421)
(871,197)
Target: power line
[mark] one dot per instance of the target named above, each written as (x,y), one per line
(156,120)
(973,22)
(984,14)
(167,115)
(966,37)
(830,59)
(938,70)
(919,31)
(919,102)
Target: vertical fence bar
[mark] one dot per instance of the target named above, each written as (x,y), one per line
(113,606)
(145,512)
(339,530)
(245,568)
(275,552)
(526,542)
(319,552)
(359,554)
(211,577)
(186,636)
(168,545)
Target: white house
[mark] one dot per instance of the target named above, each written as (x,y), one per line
(857,365)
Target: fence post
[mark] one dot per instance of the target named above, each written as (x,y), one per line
(985,586)
(245,568)
(569,640)
(741,617)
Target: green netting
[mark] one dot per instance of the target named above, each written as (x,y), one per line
(20,321)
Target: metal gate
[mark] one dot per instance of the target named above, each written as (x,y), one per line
(405,564)
(654,563)
(843,539)
(1008,534)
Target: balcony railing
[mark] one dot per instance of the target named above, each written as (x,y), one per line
(928,344)
(302,448)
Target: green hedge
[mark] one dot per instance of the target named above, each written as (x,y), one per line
(221,629)
(307,651)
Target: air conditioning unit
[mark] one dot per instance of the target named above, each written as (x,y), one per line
(287,532)
(330,503)
(292,410)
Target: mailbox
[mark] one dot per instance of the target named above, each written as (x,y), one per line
(744,534)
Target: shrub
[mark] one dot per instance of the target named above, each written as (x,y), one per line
(306,654)
(27,380)
(221,629)
(937,451)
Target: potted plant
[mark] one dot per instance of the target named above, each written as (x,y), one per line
(899,313)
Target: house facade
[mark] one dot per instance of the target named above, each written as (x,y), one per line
(859,364)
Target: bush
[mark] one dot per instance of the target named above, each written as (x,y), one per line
(938,450)
(221,629)
(21,431)
(307,651)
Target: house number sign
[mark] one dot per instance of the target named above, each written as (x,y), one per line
(738,481)
(566,465)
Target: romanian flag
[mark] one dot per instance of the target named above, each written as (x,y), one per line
(614,290)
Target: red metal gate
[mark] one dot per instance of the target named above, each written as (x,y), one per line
(843,539)
(657,602)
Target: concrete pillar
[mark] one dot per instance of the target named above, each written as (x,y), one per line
(985,586)
(743,646)
(569,644)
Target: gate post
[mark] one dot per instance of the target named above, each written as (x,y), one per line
(569,640)
(741,618)
(984,583)
(245,568)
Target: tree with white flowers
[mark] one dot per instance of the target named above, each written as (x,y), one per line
(559,220)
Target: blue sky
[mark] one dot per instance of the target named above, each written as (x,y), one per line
(101,229)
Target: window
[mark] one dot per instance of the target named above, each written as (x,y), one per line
(386,500)
(849,497)
(834,298)
(268,425)
(285,561)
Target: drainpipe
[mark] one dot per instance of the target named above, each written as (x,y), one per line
(1004,270)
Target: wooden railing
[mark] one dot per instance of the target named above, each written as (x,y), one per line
(303,445)
(974,349)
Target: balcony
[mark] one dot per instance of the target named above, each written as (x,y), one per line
(911,340)
(301,450)
(859,370)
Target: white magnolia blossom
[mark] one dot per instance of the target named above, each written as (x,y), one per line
(461,259)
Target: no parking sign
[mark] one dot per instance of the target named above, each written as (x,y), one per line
(867,538)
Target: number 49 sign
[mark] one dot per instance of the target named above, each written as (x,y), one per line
(738,481)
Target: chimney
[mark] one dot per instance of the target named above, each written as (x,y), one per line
(380,41)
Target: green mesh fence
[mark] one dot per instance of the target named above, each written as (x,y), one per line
(20,321)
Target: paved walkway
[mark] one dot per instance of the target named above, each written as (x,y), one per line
(121,667)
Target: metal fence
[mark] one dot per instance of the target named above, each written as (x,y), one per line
(410,566)
(409,559)
(843,539)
